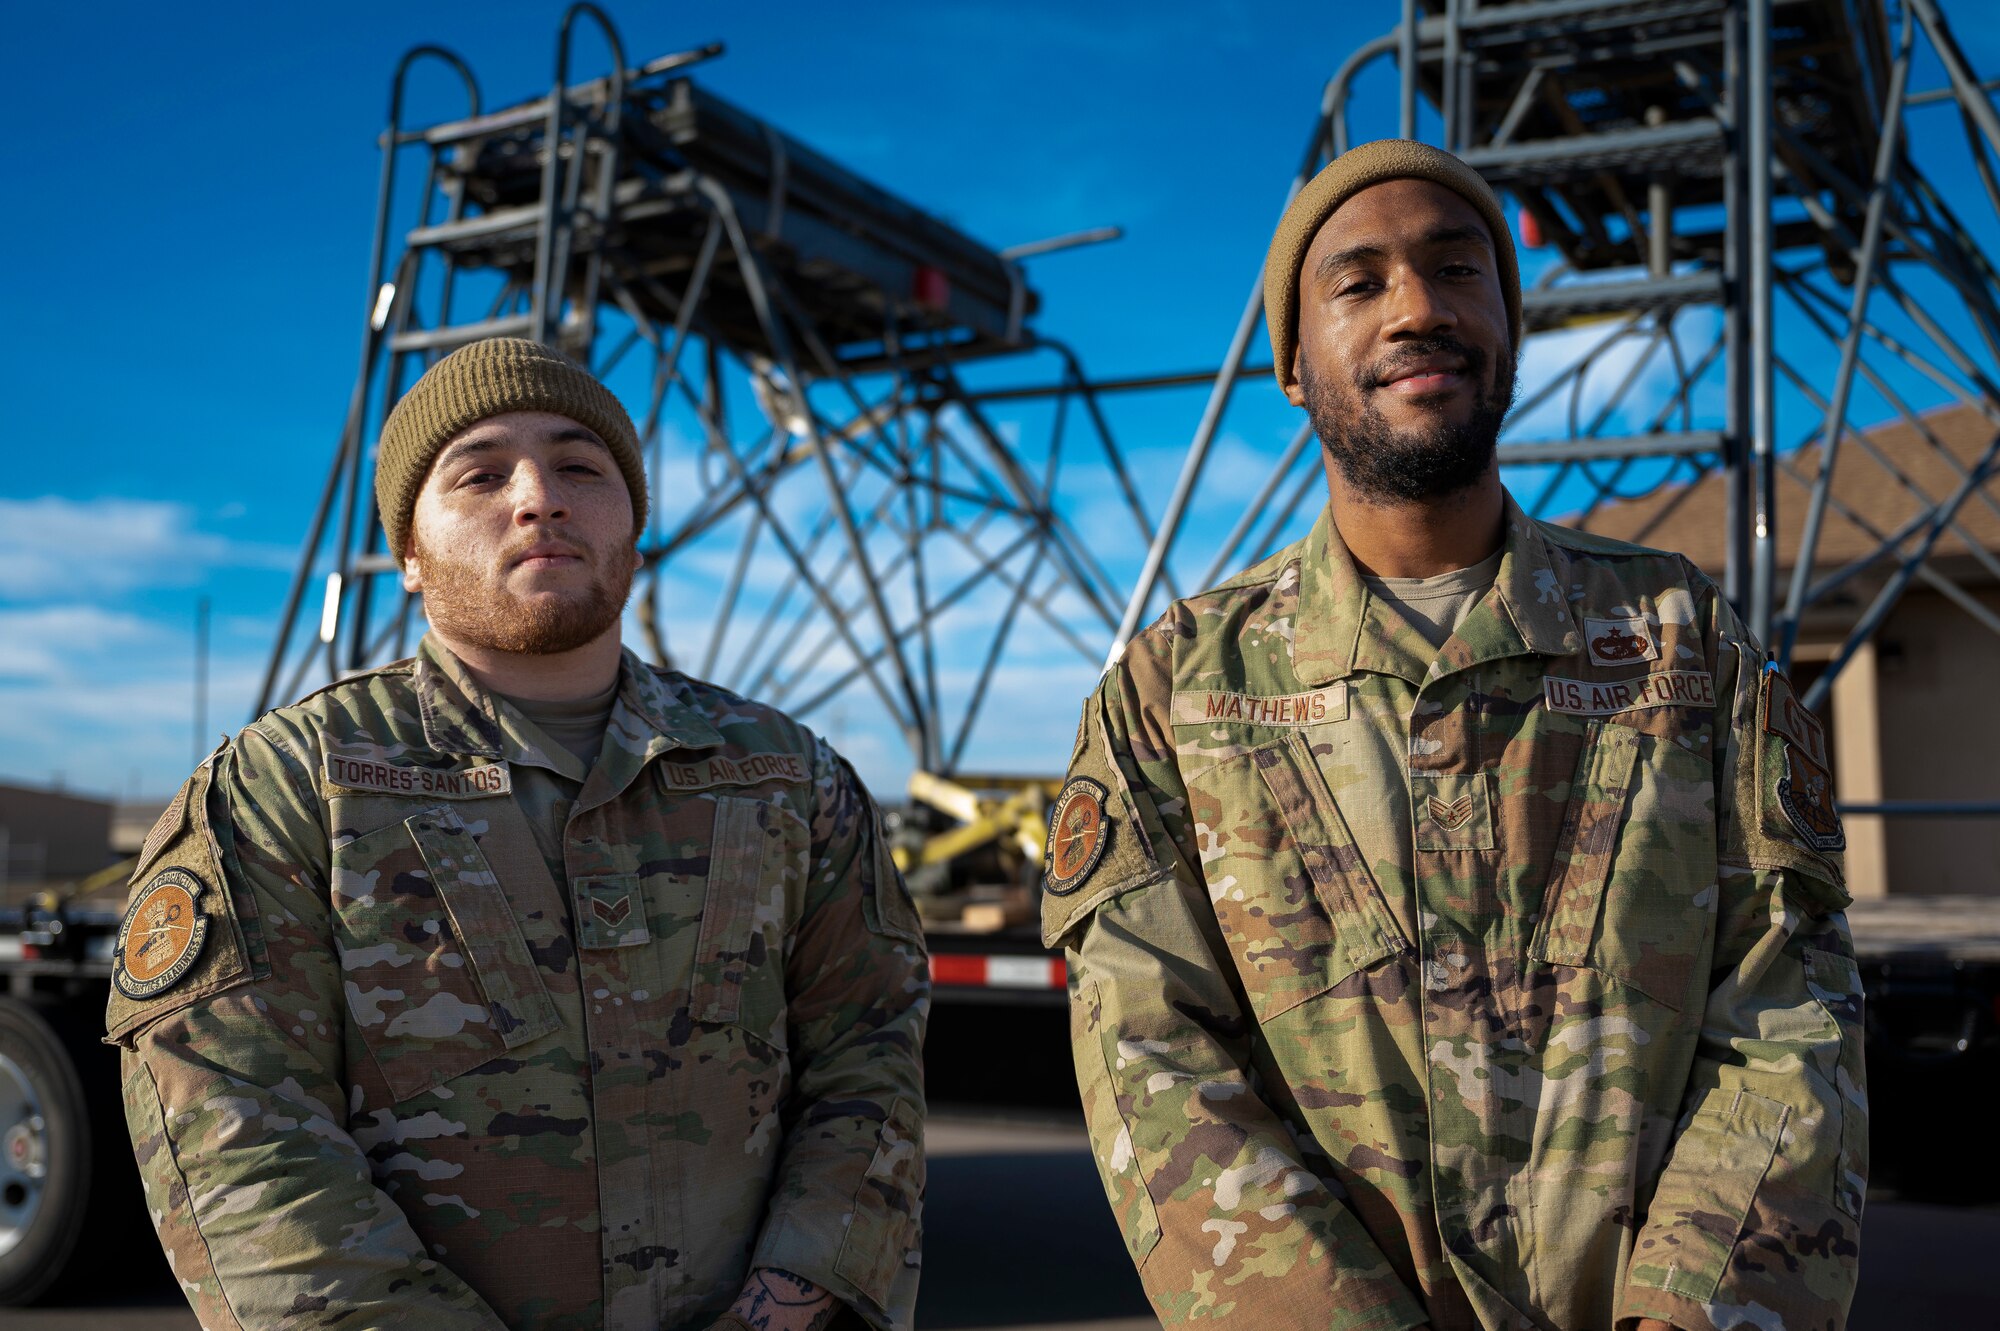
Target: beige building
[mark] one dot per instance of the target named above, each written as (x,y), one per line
(1911,717)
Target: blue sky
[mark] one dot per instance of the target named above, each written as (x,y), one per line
(192,192)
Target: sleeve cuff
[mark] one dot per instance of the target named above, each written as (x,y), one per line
(785,1246)
(1683,1314)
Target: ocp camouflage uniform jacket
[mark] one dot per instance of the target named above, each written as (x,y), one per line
(1504,986)
(416,1079)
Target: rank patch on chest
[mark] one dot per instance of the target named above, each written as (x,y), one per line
(611,911)
(1616,642)
(1078,834)
(1662,688)
(1454,810)
(161,936)
(1282,710)
(449,783)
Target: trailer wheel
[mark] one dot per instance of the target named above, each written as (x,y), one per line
(44,1154)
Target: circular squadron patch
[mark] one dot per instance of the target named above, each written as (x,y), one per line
(162,935)
(1077,834)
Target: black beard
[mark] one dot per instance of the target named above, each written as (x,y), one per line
(1384,465)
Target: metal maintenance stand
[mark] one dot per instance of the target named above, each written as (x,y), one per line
(803,333)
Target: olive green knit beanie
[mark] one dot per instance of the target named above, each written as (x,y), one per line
(490,378)
(1340,180)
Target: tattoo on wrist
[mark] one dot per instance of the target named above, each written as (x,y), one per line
(775,1300)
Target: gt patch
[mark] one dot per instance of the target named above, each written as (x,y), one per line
(1788,718)
(1616,642)
(1078,834)
(161,936)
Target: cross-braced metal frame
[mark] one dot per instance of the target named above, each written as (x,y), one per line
(836,508)
(1745,241)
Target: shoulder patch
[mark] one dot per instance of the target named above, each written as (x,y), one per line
(1805,784)
(162,934)
(1079,833)
(182,935)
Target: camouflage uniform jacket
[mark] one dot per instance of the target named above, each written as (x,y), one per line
(411,1077)
(1503,986)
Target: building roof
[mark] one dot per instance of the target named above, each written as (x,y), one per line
(1867,498)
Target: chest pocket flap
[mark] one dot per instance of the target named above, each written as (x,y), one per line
(438,977)
(1318,915)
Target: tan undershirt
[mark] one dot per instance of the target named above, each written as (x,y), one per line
(1435,607)
(1375,737)
(545,797)
(577,725)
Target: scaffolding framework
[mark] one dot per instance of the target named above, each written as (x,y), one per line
(856,517)
(1708,175)
(863,518)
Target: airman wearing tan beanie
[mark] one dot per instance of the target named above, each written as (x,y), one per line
(1340,180)
(484,379)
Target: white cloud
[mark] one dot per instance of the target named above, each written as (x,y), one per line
(53,548)
(104,698)
(37,643)
(1547,355)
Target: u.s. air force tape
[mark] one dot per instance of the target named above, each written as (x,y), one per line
(1078,834)
(161,936)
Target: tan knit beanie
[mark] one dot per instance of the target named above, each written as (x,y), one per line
(490,378)
(1340,180)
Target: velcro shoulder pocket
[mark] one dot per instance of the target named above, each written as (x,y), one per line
(888,907)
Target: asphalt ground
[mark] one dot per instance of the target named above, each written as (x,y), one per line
(1017,1234)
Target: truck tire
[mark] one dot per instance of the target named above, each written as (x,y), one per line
(45,1155)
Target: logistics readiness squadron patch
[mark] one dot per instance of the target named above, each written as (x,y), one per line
(161,936)
(1805,791)
(1078,834)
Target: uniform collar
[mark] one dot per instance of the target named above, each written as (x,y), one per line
(461,716)
(1525,612)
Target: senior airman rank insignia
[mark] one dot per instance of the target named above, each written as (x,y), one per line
(1078,834)
(161,936)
